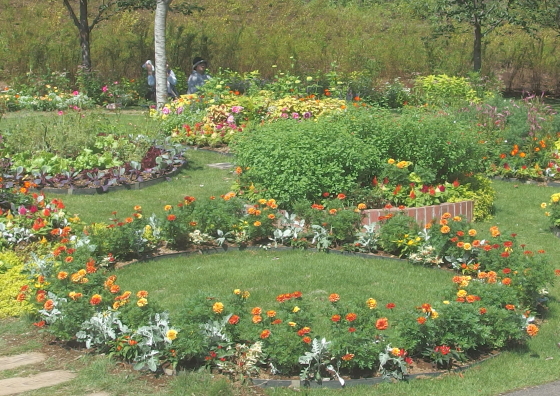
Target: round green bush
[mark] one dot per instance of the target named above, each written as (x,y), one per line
(292,160)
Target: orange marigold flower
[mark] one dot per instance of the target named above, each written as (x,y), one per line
(336,318)
(271,216)
(265,334)
(256,311)
(307,340)
(234,319)
(482,310)
(510,307)
(506,281)
(167,208)
(421,320)
(347,357)
(271,313)
(333,297)
(445,229)
(115,289)
(142,294)
(276,321)
(296,294)
(171,217)
(470,298)
(426,308)
(332,211)
(557,272)
(257,223)
(257,319)
(532,330)
(382,324)
(362,206)
(351,317)
(62,275)
(69,259)
(95,299)
(341,196)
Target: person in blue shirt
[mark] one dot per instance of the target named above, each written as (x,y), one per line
(171,81)
(198,75)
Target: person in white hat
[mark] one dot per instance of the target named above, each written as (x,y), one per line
(198,75)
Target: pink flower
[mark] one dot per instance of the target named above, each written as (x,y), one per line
(75,93)
(104,89)
(236,109)
(60,112)
(22,210)
(295,115)
(165,110)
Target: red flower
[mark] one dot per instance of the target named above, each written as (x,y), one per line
(351,329)
(341,196)
(421,320)
(171,217)
(506,270)
(391,305)
(234,319)
(482,310)
(335,318)
(265,334)
(326,194)
(307,340)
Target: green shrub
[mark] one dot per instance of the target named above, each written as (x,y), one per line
(292,160)
(441,147)
(399,234)
(479,189)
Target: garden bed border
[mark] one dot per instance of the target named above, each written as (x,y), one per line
(333,384)
(99,190)
(424,214)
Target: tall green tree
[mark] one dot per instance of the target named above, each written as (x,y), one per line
(482,16)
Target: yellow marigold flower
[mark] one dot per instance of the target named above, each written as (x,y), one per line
(296,309)
(543,205)
(137,208)
(237,291)
(218,307)
(371,303)
(462,293)
(362,206)
(292,324)
(472,232)
(457,218)
(555,198)
(395,351)
(142,302)
(171,334)
(446,302)
(434,314)
(262,201)
(467,246)
(245,294)
(390,161)
(167,208)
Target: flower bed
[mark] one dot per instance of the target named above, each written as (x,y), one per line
(77,296)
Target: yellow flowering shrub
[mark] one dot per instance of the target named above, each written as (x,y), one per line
(11,282)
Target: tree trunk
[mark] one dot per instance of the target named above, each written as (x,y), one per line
(84,35)
(162,7)
(477,50)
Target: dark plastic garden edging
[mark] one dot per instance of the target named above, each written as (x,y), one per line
(333,384)
(99,190)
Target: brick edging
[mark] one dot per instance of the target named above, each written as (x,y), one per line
(424,214)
